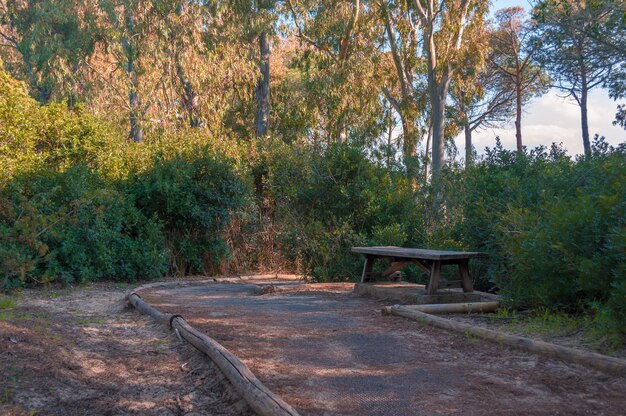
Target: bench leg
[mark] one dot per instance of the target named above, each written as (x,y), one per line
(466,282)
(367,268)
(435,273)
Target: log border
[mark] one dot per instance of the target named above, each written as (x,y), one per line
(600,362)
(236,278)
(262,400)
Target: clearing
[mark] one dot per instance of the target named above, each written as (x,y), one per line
(327,352)
(80,351)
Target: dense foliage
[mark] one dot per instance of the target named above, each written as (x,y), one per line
(554,228)
(142,141)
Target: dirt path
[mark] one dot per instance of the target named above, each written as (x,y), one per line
(334,354)
(80,352)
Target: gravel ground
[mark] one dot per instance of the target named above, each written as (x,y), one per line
(327,352)
(81,352)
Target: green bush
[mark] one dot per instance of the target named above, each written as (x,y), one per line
(569,252)
(330,200)
(72,227)
(194,197)
(485,196)
(553,226)
(33,137)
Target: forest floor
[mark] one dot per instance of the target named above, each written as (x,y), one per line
(81,352)
(326,351)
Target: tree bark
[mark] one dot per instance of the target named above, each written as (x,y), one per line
(429,137)
(389,134)
(583,113)
(409,147)
(136,133)
(438,107)
(468,145)
(263,86)
(518,112)
(190,98)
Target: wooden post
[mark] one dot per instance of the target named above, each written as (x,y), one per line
(367,268)
(466,282)
(435,272)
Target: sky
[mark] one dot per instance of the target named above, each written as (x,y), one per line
(549,118)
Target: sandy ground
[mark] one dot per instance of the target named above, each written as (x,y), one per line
(327,352)
(81,352)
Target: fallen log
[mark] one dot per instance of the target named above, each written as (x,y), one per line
(468,307)
(255,393)
(162,318)
(591,359)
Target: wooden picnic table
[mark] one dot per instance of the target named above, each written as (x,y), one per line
(430,261)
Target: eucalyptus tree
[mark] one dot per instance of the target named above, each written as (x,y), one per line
(404,87)
(129,25)
(448,31)
(337,62)
(570,49)
(514,49)
(245,27)
(265,18)
(50,41)
(182,34)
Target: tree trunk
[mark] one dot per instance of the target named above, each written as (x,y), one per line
(518,113)
(438,107)
(43,93)
(409,147)
(136,133)
(468,145)
(583,114)
(190,98)
(389,135)
(263,87)
(429,137)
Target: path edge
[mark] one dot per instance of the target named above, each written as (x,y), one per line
(261,399)
(595,360)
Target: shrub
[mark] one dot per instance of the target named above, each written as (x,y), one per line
(194,198)
(33,136)
(71,227)
(554,228)
(328,201)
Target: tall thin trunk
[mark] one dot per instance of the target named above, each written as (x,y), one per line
(583,113)
(438,107)
(73,94)
(136,133)
(43,93)
(429,137)
(409,147)
(468,145)
(389,135)
(263,86)
(518,112)
(190,98)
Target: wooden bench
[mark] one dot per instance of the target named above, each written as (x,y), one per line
(430,261)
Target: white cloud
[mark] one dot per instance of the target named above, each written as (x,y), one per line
(551,118)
